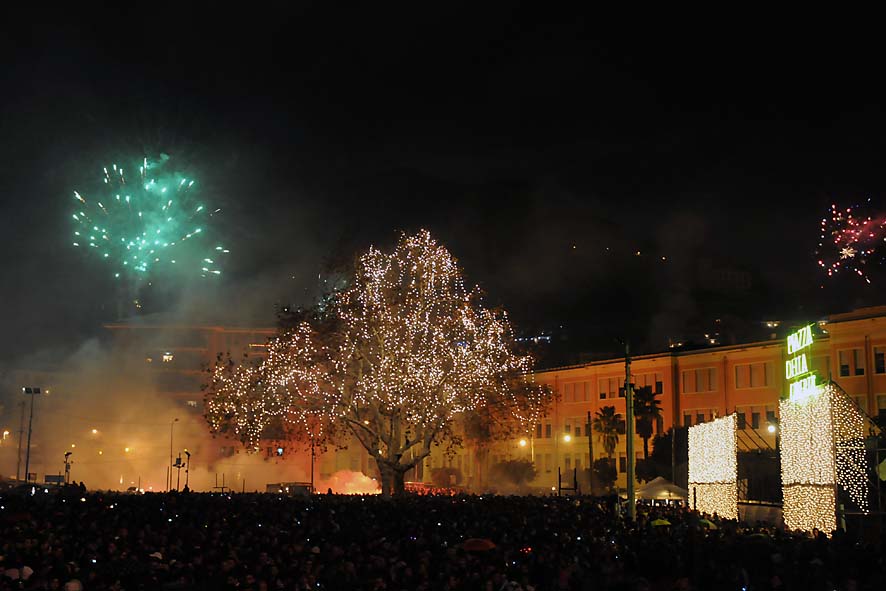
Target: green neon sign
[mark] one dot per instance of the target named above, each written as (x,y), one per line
(801,382)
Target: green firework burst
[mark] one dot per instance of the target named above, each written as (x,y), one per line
(147,219)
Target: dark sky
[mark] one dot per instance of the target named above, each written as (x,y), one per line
(544,152)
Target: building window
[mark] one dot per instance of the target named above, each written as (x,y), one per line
(573,426)
(567,427)
(851,362)
(879,360)
(699,418)
(602,395)
(881,409)
(622,464)
(858,359)
(699,380)
(653,381)
(569,393)
(685,377)
(753,375)
(755,420)
(547,430)
(759,375)
(743,376)
(687,420)
(770,417)
(538,431)
(844,363)
(741,420)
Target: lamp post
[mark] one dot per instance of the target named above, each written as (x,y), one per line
(32,392)
(773,429)
(629,434)
(187,468)
(590,430)
(169,479)
(68,467)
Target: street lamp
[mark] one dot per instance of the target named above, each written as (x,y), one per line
(567,438)
(771,428)
(187,468)
(169,479)
(68,467)
(523,442)
(32,392)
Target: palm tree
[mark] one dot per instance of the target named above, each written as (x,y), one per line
(647,410)
(607,424)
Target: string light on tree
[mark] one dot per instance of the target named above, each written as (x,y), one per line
(391,361)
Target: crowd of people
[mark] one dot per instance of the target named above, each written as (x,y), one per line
(258,542)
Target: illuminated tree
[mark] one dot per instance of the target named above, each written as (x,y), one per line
(392,361)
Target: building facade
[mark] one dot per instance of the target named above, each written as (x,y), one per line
(700,385)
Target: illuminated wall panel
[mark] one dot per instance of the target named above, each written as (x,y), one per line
(822,448)
(713,467)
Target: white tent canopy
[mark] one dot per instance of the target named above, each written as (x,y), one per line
(660,489)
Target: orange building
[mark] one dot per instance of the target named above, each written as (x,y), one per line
(699,385)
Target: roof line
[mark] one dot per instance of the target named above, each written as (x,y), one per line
(666,354)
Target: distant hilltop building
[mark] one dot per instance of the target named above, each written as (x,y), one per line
(723,279)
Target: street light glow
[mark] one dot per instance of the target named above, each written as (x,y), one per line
(522,443)
(771,428)
(567,438)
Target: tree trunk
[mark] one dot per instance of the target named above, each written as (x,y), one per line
(398,486)
(387,479)
(645,448)
(480,455)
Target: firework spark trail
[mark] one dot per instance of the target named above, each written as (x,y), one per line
(851,239)
(143,223)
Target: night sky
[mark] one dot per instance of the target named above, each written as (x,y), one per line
(544,155)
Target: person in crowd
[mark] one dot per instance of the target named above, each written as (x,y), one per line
(266,542)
